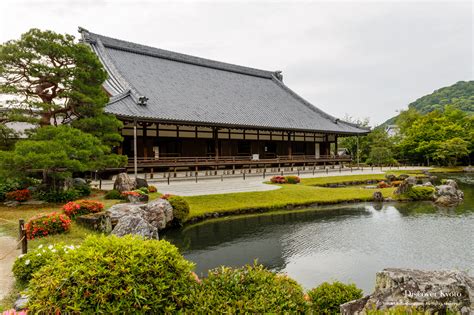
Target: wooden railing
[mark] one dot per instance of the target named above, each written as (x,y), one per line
(235,160)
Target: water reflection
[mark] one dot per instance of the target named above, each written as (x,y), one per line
(348,243)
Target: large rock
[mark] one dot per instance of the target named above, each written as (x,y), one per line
(377,196)
(135,225)
(99,222)
(141,183)
(157,213)
(116,212)
(427,291)
(448,195)
(21,302)
(79,181)
(406,185)
(391,177)
(123,182)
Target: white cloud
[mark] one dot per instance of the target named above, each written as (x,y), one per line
(366,59)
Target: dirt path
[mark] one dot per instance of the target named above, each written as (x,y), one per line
(8,248)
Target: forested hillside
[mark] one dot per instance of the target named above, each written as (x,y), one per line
(460,95)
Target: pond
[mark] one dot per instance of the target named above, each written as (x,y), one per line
(349,243)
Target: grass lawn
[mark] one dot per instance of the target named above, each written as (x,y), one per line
(293,195)
(456,169)
(74,236)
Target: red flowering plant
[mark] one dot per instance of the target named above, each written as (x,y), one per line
(43,225)
(278,180)
(131,193)
(382,184)
(166,196)
(18,195)
(80,207)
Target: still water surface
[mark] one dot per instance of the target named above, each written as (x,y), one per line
(349,243)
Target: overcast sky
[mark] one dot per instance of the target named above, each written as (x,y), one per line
(363,59)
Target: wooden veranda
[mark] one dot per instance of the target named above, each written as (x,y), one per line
(233,162)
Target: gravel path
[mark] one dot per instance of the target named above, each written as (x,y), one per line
(253,182)
(7,247)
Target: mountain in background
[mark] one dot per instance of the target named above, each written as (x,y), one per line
(460,95)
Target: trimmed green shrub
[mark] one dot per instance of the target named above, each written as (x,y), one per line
(26,265)
(327,297)
(249,290)
(83,190)
(143,190)
(420,193)
(180,208)
(57,196)
(114,275)
(114,194)
(292,179)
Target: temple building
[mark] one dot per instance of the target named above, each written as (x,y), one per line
(184,111)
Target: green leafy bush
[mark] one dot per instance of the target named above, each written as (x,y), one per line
(327,297)
(143,190)
(180,208)
(114,275)
(57,196)
(292,179)
(8,185)
(249,290)
(114,194)
(27,264)
(83,190)
(420,193)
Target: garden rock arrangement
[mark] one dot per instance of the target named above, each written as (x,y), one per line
(428,291)
(123,183)
(448,194)
(142,219)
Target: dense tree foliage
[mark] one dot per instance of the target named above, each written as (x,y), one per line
(442,137)
(376,148)
(57,152)
(7,136)
(458,96)
(53,80)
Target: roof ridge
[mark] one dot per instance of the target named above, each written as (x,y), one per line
(120,44)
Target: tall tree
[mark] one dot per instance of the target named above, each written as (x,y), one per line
(53,80)
(441,136)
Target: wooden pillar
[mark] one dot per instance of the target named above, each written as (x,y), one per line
(216,142)
(145,141)
(335,145)
(135,157)
(290,153)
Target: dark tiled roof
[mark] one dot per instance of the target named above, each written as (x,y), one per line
(183,88)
